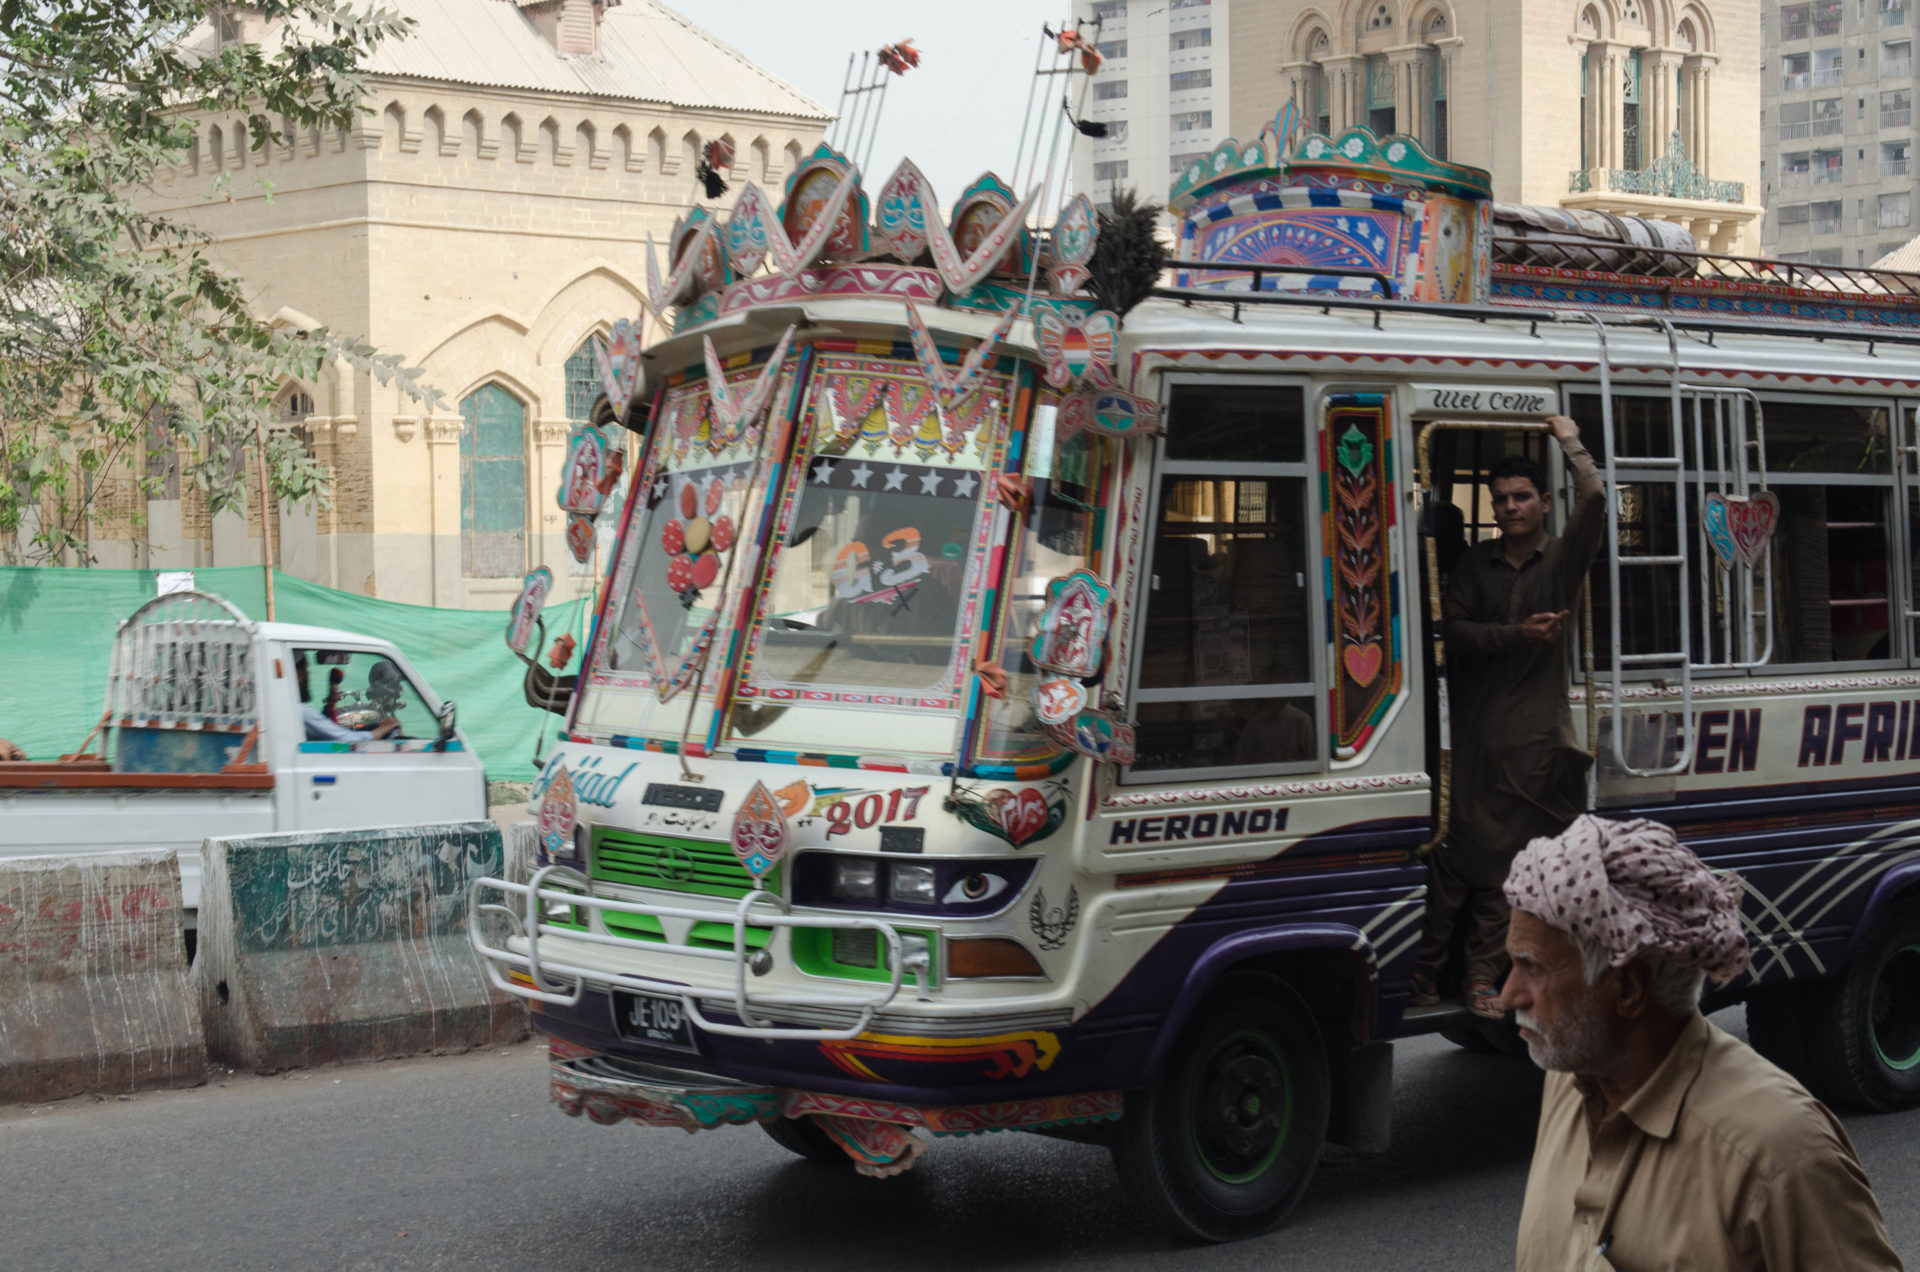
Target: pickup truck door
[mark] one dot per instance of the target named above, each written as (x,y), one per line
(343,778)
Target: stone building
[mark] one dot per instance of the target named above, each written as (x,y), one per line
(484,221)
(1836,126)
(1572,103)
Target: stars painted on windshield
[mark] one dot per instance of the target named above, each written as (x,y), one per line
(963,485)
(930,483)
(823,472)
(861,475)
(895,477)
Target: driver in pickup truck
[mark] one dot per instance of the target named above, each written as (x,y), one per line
(321,729)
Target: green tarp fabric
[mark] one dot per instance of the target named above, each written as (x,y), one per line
(57,628)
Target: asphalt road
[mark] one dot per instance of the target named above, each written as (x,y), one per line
(460,1162)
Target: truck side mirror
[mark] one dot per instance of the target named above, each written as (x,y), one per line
(445,716)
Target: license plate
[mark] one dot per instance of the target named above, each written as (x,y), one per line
(659,1022)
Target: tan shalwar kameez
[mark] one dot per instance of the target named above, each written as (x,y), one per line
(1519,770)
(1719,1162)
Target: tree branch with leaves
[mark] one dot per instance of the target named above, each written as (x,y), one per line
(119,334)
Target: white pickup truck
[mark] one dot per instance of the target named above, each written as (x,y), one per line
(215,725)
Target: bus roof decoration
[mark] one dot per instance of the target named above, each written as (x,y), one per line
(734,415)
(1075,236)
(815,194)
(618,358)
(1380,216)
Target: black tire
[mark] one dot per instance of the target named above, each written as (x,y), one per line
(803,1137)
(1224,1142)
(1863,1026)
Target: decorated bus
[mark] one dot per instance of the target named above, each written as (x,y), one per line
(1016,700)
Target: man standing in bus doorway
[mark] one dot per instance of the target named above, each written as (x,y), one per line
(1519,772)
(1663,1142)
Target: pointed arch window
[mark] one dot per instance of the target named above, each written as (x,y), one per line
(493,484)
(583,382)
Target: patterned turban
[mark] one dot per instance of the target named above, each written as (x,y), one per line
(1630,888)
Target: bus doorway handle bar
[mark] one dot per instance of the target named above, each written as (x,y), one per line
(1443,823)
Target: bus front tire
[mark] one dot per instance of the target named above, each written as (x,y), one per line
(1863,1026)
(1224,1142)
(803,1137)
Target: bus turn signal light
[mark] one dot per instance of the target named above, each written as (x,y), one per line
(970,958)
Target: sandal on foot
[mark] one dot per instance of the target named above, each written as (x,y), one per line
(1425,993)
(1480,997)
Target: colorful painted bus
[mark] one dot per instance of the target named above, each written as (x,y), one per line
(1016,710)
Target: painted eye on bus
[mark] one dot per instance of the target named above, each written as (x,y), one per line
(978,886)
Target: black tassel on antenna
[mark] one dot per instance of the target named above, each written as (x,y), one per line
(1129,254)
(714,156)
(1087,127)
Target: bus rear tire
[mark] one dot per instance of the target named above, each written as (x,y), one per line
(1224,1142)
(803,1137)
(1863,1026)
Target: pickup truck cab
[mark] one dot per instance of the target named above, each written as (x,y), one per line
(215,725)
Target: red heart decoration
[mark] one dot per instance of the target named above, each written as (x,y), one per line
(1022,814)
(1363,662)
(1751,523)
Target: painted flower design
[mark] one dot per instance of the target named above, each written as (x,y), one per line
(695,539)
(1353,147)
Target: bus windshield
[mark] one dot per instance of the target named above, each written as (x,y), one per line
(876,564)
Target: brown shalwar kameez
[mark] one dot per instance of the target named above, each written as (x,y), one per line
(1519,771)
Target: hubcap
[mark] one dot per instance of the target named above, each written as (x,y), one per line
(1243,1107)
(1895,1010)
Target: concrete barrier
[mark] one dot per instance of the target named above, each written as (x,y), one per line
(346,945)
(94,994)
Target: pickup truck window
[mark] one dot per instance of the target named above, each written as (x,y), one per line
(358,689)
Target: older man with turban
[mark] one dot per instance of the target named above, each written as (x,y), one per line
(1663,1142)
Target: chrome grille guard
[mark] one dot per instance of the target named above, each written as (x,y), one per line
(561,983)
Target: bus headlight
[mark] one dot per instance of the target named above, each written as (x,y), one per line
(910,882)
(856,879)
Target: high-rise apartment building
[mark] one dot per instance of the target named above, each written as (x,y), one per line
(1639,107)
(1836,122)
(1162,92)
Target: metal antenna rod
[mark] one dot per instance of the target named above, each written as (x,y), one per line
(1026,119)
(864,111)
(879,108)
(846,87)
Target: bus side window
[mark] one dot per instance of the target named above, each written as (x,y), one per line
(1830,465)
(1226,676)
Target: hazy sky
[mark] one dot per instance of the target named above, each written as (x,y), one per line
(957,115)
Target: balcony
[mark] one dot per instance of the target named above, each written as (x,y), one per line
(1792,181)
(1671,176)
(1829,176)
(1833,127)
(1828,224)
(1828,76)
(1901,69)
(1900,118)
(1896,167)
(1796,132)
(1795,81)
(1893,17)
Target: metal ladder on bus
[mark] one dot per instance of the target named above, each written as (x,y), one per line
(1679,662)
(1732,422)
